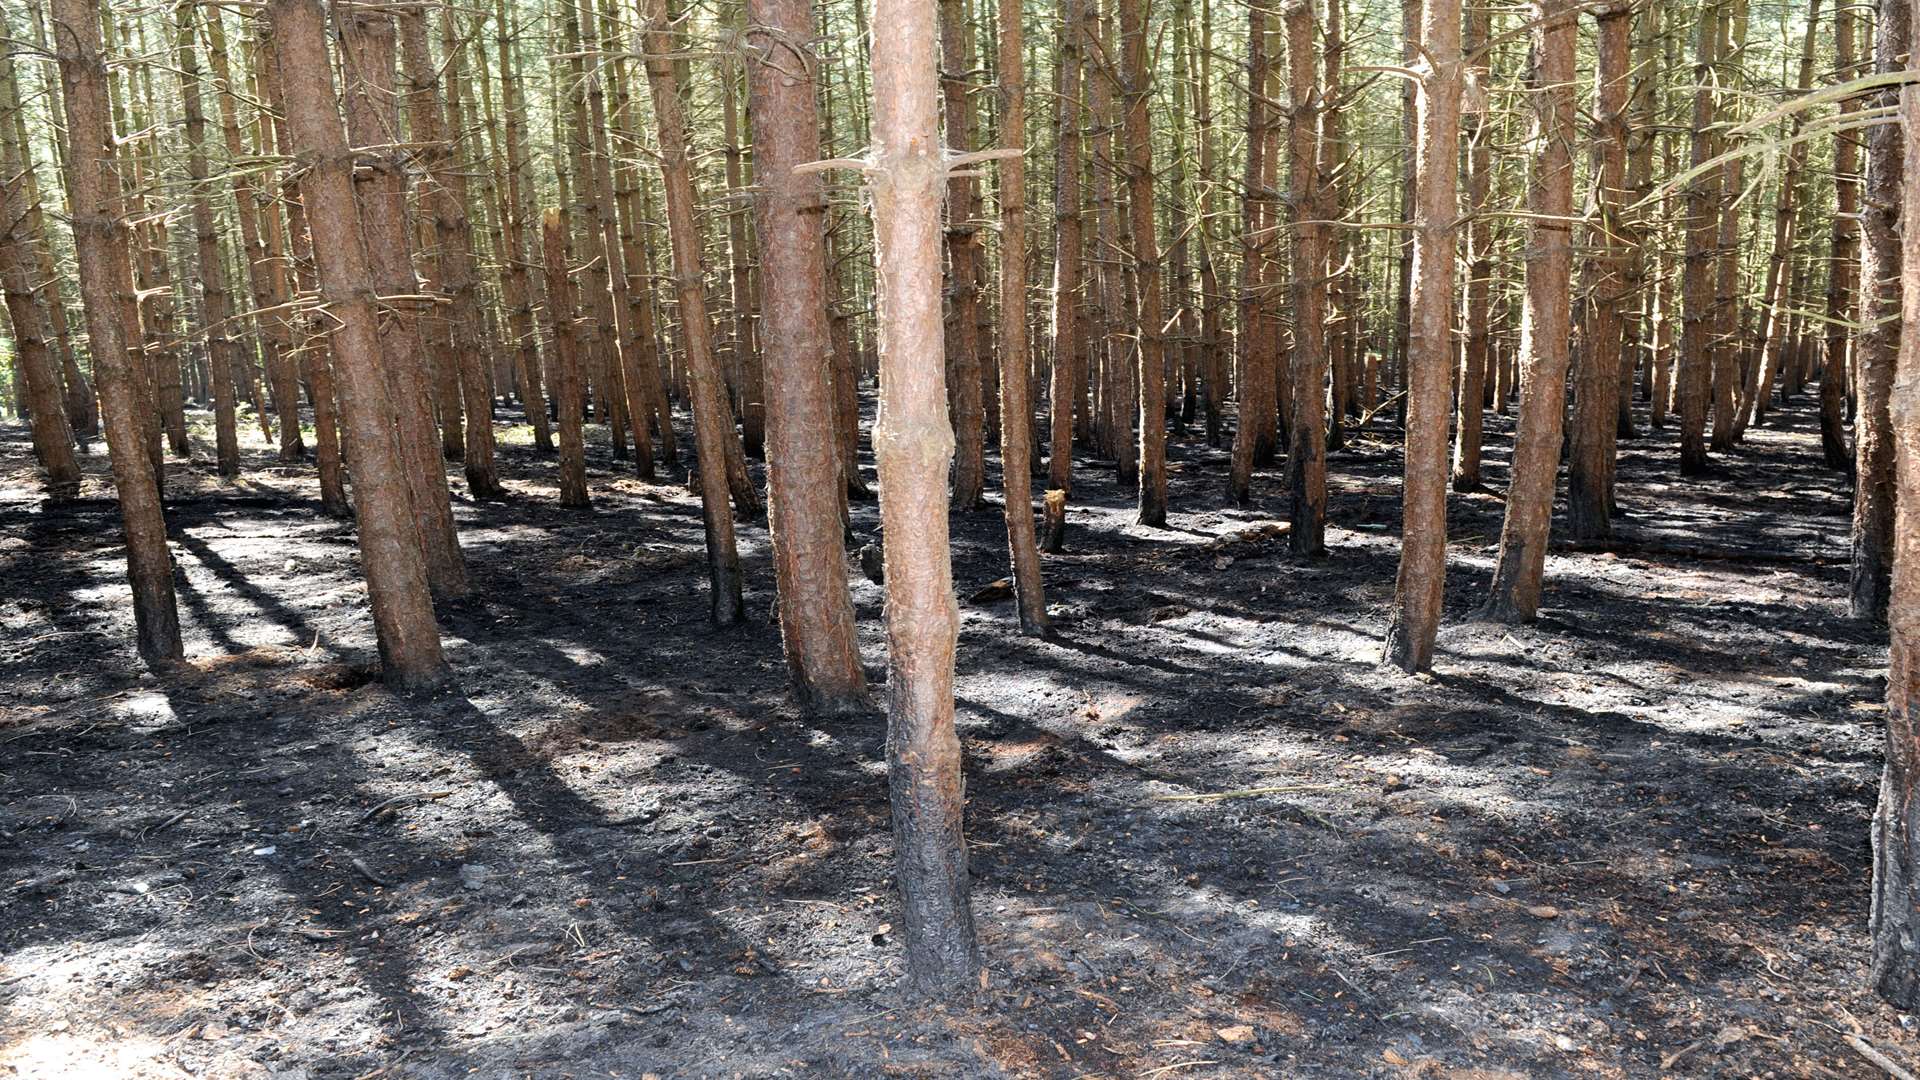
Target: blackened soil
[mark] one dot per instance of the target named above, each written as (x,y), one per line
(1629,839)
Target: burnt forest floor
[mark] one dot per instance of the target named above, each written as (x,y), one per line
(1629,839)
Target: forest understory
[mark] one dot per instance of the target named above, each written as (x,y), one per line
(1627,840)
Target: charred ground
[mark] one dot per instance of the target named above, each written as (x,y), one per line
(1631,838)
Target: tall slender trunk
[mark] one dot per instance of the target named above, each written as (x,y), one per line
(435,127)
(1756,393)
(380,189)
(640,353)
(1469,406)
(390,552)
(1214,360)
(566,359)
(963,251)
(34,359)
(1694,372)
(106,277)
(713,426)
(310,343)
(1414,619)
(913,444)
(1895,921)
(1151,383)
(1546,327)
(520,294)
(1727,343)
(598,180)
(1592,449)
(216,307)
(1068,348)
(1880,336)
(1016,412)
(1842,257)
(816,611)
(747,368)
(1253,438)
(1307,425)
(266,276)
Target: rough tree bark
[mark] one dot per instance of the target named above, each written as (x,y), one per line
(1151,384)
(1414,618)
(380,187)
(566,359)
(1757,391)
(520,297)
(35,362)
(1016,412)
(1307,426)
(1694,372)
(310,346)
(266,276)
(816,610)
(1895,920)
(1254,435)
(1879,341)
(913,445)
(446,197)
(106,276)
(1068,348)
(1470,407)
(390,553)
(1842,258)
(216,307)
(713,426)
(1592,446)
(964,253)
(1546,325)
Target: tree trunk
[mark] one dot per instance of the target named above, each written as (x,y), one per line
(1880,275)
(1593,449)
(913,446)
(1895,922)
(1842,258)
(452,277)
(597,182)
(1016,412)
(266,276)
(1470,407)
(310,346)
(1253,436)
(964,251)
(803,476)
(1414,618)
(1546,329)
(519,286)
(1726,344)
(1694,373)
(106,276)
(566,359)
(1151,383)
(1069,351)
(216,307)
(1307,426)
(713,426)
(390,552)
(640,353)
(34,361)
(748,371)
(367,42)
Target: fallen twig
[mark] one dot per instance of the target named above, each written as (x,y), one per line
(1887,1065)
(387,805)
(174,819)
